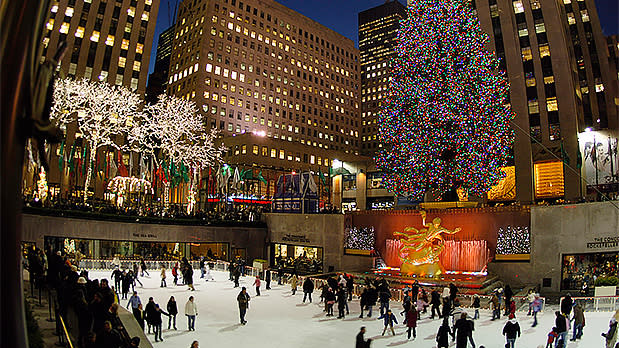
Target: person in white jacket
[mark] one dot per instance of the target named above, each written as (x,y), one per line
(191,311)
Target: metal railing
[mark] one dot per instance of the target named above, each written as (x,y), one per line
(63,337)
(597,303)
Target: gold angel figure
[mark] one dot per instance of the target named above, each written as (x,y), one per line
(422,247)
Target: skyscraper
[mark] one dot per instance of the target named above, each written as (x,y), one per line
(258,66)
(158,80)
(378,31)
(106,40)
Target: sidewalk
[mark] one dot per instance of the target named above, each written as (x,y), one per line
(42,314)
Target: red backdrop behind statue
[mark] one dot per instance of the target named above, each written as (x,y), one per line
(470,249)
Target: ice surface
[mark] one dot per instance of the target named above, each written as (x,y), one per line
(277,317)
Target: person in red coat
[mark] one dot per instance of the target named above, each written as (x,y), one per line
(512,308)
(411,322)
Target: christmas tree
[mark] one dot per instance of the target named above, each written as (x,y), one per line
(445,118)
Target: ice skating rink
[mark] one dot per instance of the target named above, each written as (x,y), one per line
(279,319)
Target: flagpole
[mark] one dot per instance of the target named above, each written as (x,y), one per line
(596,160)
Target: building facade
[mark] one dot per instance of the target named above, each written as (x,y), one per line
(378,32)
(106,40)
(158,80)
(257,66)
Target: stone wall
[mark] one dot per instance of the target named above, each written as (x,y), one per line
(35,228)
(560,230)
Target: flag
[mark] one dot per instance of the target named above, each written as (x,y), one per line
(312,185)
(113,167)
(71,168)
(564,156)
(261,178)
(236,179)
(142,168)
(84,161)
(322,177)
(61,157)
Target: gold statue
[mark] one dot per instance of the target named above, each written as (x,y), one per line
(423,247)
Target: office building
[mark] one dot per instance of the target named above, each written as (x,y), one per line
(106,40)
(260,67)
(378,32)
(158,79)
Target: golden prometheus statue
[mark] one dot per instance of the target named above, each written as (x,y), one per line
(421,248)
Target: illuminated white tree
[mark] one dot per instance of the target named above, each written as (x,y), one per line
(103,112)
(181,136)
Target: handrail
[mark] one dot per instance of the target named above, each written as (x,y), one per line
(66,333)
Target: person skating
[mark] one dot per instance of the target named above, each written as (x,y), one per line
(453,293)
(143,267)
(257,285)
(496,307)
(126,284)
(421,305)
(202,267)
(280,274)
(163,276)
(308,289)
(512,308)
(388,320)
(243,300)
(140,316)
(363,301)
(462,331)
(172,311)
(117,276)
(579,322)
(188,274)
(406,305)
(268,279)
(195,344)
(360,341)
(330,301)
(294,282)
(134,302)
(436,303)
(511,331)
(442,336)
(411,322)
(537,307)
(476,305)
(237,275)
(530,298)
(148,312)
(508,298)
(191,311)
(156,322)
(384,295)
(208,276)
(561,326)
(350,285)
(611,334)
(341,302)
(175,273)
(552,336)
(566,305)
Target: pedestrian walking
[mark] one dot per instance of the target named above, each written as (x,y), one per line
(511,331)
(257,285)
(156,322)
(388,320)
(360,341)
(243,300)
(308,289)
(134,302)
(172,311)
(191,311)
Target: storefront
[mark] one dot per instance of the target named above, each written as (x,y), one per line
(303,259)
(580,268)
(105,249)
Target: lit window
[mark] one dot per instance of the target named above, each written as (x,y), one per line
(209,67)
(139,48)
(136,66)
(68,12)
(64,28)
(95,36)
(79,32)
(131,11)
(526,54)
(518,6)
(110,40)
(551,104)
(55,8)
(125,44)
(570,18)
(145,16)
(544,51)
(585,15)
(50,24)
(599,87)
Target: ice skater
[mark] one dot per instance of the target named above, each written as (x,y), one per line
(308,288)
(411,322)
(388,320)
(257,285)
(511,331)
(163,283)
(294,281)
(172,311)
(341,302)
(191,311)
(444,331)
(243,300)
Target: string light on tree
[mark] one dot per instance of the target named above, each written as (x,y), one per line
(513,240)
(445,119)
(360,239)
(42,185)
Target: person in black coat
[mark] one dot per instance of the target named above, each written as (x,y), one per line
(414,291)
(155,319)
(267,279)
(362,342)
(148,311)
(172,311)
(117,276)
(453,293)
(372,299)
(508,297)
(308,288)
(566,305)
(462,331)
(350,285)
(363,301)
(109,337)
(436,303)
(139,315)
(330,301)
(444,331)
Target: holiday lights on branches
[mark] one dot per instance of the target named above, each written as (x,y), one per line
(513,240)
(445,119)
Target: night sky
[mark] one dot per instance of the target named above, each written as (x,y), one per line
(341,15)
